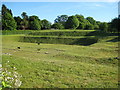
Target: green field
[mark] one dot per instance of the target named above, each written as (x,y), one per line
(59,65)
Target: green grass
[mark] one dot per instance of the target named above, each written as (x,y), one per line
(63,66)
(60,40)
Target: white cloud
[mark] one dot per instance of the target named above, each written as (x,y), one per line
(98,5)
(59,0)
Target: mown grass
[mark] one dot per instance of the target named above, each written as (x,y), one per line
(63,66)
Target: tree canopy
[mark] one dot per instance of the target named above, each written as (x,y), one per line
(76,21)
(72,22)
(8,22)
(45,24)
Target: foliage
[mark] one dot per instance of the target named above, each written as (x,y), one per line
(8,22)
(61,19)
(57,26)
(103,26)
(89,27)
(72,22)
(18,21)
(114,24)
(34,23)
(80,18)
(45,24)
(24,15)
(96,27)
(91,20)
(24,23)
(81,25)
(81,21)
(5,9)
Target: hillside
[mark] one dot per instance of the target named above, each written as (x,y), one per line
(56,63)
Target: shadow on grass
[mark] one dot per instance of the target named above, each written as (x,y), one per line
(57,40)
(85,41)
(114,40)
(101,33)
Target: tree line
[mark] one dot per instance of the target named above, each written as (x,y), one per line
(33,22)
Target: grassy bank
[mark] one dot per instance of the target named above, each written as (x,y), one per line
(63,66)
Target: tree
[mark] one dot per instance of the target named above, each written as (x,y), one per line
(81,25)
(104,26)
(91,20)
(96,27)
(61,19)
(8,22)
(34,23)
(24,21)
(114,24)
(5,9)
(45,24)
(57,26)
(72,22)
(24,15)
(80,17)
(89,26)
(98,23)
(81,21)
(18,21)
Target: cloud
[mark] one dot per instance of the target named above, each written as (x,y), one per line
(98,5)
(59,0)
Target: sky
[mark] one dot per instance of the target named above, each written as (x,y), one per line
(59,0)
(100,11)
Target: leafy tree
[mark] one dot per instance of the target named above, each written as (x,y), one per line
(91,20)
(24,15)
(81,21)
(18,21)
(57,26)
(24,22)
(34,23)
(72,22)
(80,18)
(8,22)
(5,9)
(46,24)
(81,25)
(114,24)
(96,27)
(89,27)
(61,19)
(104,26)
(98,24)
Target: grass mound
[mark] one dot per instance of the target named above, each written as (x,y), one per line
(61,40)
(60,65)
(69,37)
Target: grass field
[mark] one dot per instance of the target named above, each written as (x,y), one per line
(60,65)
